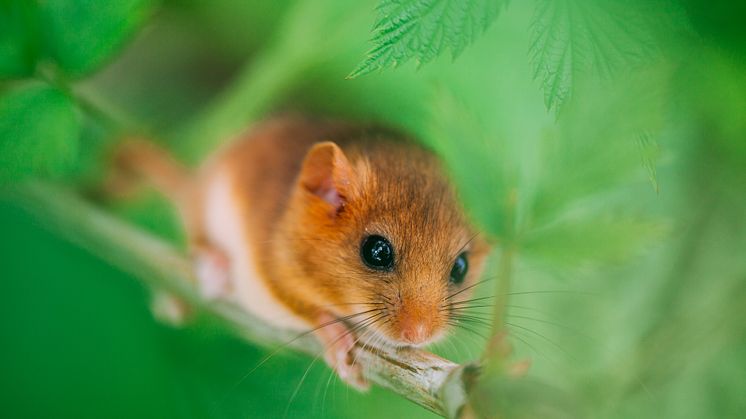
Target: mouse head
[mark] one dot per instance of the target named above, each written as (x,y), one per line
(378,232)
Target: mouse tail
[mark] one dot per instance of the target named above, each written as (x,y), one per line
(141,161)
(136,162)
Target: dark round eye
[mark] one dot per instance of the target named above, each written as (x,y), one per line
(377,253)
(459,270)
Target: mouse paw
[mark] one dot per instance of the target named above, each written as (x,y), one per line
(169,309)
(212,269)
(339,345)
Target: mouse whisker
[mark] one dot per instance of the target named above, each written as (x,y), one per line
(305,374)
(543,354)
(470,308)
(461,249)
(560,325)
(470,311)
(468,288)
(473,320)
(384,298)
(352,304)
(512,334)
(550,341)
(575,292)
(306,333)
(354,328)
(472,300)
(362,340)
(467,328)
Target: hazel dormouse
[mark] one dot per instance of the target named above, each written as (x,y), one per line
(349,230)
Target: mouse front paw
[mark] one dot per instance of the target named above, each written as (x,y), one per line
(339,352)
(212,269)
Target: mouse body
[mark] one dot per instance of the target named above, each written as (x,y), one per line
(351,230)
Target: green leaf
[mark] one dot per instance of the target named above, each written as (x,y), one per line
(422,29)
(39,132)
(596,148)
(577,38)
(17,42)
(586,239)
(82,34)
(474,161)
(649,152)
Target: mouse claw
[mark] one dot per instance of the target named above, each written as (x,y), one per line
(339,353)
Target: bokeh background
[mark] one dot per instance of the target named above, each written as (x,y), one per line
(620,190)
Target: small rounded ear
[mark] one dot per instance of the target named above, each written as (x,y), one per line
(327,174)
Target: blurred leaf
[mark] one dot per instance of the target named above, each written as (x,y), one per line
(17,42)
(458,136)
(714,86)
(503,396)
(719,22)
(572,38)
(570,183)
(422,29)
(586,240)
(649,152)
(81,35)
(583,160)
(39,132)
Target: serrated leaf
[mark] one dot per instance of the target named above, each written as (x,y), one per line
(39,132)
(423,29)
(81,35)
(17,41)
(575,38)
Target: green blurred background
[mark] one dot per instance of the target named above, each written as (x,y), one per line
(621,188)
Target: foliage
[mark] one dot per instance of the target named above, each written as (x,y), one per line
(100,30)
(607,37)
(423,29)
(43,144)
(570,38)
(16,39)
(553,121)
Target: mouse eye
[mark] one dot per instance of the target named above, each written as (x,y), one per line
(377,253)
(460,267)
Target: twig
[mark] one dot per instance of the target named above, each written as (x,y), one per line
(496,350)
(426,379)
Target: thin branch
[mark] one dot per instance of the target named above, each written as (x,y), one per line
(496,349)
(426,379)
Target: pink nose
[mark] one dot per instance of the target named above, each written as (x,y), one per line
(414,326)
(414,333)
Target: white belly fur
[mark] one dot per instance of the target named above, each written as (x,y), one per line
(225,228)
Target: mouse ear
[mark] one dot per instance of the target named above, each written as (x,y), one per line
(327,174)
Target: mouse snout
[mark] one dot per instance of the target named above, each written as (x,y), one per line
(416,327)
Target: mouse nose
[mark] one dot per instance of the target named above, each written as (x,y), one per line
(414,329)
(414,334)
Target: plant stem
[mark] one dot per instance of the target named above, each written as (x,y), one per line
(496,347)
(252,94)
(258,87)
(504,284)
